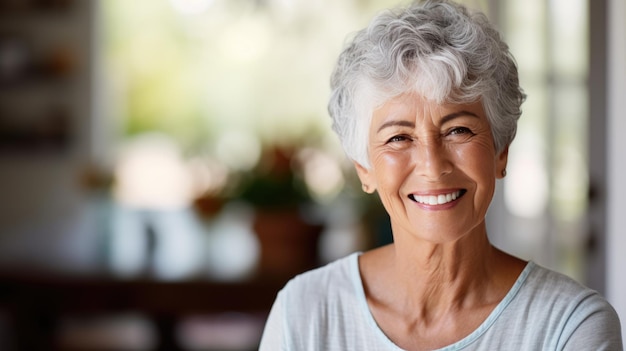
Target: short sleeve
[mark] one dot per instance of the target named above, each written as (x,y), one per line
(594,326)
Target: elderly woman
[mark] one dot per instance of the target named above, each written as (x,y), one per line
(425,101)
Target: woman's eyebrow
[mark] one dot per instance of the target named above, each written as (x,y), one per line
(410,124)
(448,118)
(396,123)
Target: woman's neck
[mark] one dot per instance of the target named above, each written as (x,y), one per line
(434,278)
(429,294)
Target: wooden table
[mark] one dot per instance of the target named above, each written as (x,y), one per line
(36,303)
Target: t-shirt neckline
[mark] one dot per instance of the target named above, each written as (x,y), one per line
(355,274)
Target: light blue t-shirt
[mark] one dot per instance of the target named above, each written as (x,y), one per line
(326,309)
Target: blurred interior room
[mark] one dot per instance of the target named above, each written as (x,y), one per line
(167,165)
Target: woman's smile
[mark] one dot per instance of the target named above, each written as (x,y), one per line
(438,200)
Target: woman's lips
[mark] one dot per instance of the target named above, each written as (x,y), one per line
(440,199)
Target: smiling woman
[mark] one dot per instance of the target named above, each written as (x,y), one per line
(425,101)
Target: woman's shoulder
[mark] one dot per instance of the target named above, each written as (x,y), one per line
(336,277)
(557,310)
(312,308)
(548,291)
(546,282)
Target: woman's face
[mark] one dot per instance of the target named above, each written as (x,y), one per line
(434,166)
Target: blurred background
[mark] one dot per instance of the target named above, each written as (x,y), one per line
(166,165)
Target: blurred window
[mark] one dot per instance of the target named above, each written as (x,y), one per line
(223,79)
(546,190)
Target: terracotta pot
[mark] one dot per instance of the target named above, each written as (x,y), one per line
(289,245)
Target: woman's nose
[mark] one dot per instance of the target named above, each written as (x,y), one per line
(433,160)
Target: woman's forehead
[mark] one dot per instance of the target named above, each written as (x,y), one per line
(413,105)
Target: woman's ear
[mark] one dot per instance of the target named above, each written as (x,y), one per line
(501,162)
(367,178)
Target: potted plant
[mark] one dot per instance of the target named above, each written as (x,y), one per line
(277,192)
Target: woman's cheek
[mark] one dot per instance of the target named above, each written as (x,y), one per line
(473,152)
(393,160)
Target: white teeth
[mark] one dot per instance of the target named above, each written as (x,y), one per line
(436,200)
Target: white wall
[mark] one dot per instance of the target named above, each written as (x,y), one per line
(616,162)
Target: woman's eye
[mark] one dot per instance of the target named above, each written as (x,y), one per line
(460,130)
(397,138)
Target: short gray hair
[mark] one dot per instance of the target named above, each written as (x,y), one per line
(437,49)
